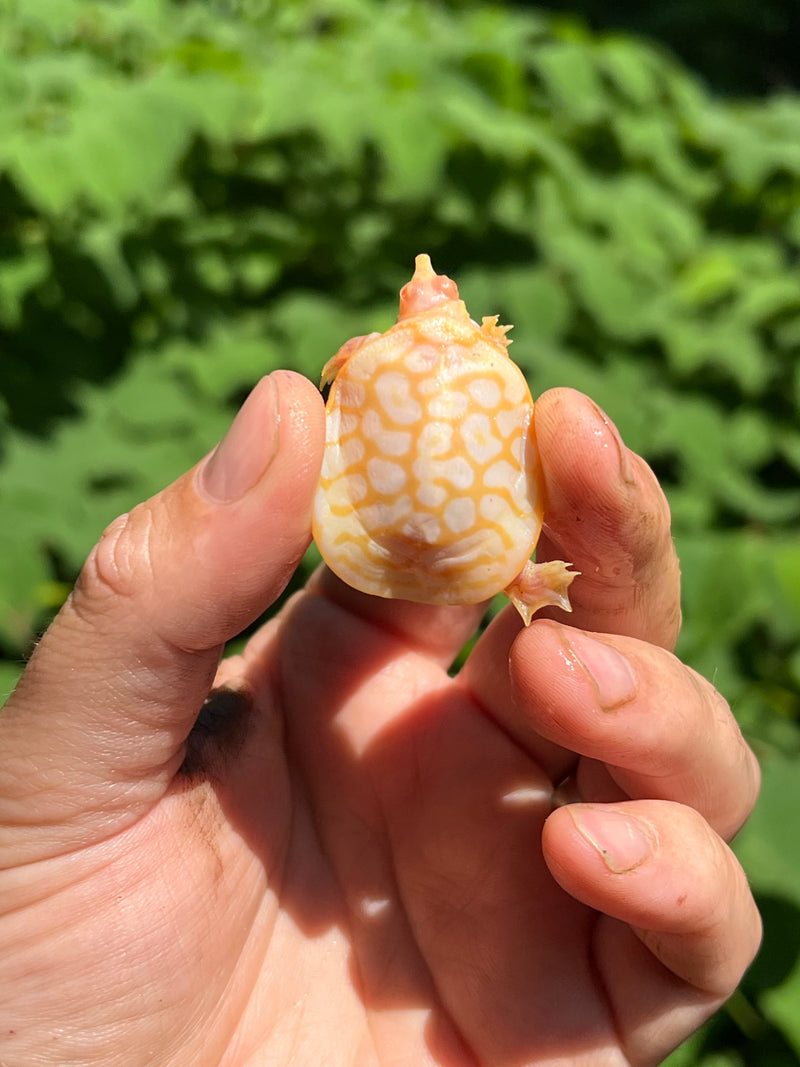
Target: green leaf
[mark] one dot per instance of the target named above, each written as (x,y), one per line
(310,329)
(751,438)
(786,562)
(762,300)
(754,144)
(612,295)
(567,69)
(23,572)
(534,300)
(631,68)
(103,244)
(725,591)
(652,138)
(653,225)
(129,149)
(46,169)
(694,343)
(708,277)
(767,850)
(230,361)
(18,277)
(10,671)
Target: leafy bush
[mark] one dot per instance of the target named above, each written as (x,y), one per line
(194,193)
(738,47)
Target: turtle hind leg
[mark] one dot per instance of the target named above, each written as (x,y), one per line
(541,585)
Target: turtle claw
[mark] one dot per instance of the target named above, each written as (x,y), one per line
(541,585)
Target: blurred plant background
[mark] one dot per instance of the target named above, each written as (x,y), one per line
(193,193)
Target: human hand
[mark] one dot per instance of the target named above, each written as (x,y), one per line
(352,857)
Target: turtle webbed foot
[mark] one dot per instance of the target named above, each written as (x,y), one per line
(540,585)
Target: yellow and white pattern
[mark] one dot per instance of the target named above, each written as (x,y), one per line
(430,488)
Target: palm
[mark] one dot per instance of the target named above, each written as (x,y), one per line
(383,873)
(372,865)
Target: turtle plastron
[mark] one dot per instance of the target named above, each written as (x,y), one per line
(430,487)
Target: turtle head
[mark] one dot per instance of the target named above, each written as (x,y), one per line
(426,290)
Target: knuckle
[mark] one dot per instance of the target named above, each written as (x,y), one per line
(121,563)
(736,931)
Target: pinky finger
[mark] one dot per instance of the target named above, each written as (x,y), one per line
(679,925)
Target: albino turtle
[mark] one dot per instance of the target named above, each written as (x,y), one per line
(431,488)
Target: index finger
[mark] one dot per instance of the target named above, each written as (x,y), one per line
(607,515)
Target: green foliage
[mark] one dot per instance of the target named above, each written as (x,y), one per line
(738,47)
(193,193)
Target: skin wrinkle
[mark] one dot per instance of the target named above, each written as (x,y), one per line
(298,800)
(712,962)
(206,819)
(505,728)
(102,734)
(602,985)
(395,890)
(122,560)
(297,779)
(437,1007)
(111,813)
(656,943)
(430,643)
(645,528)
(143,679)
(464,905)
(625,456)
(145,682)
(119,566)
(627,1046)
(429,972)
(616,523)
(630,597)
(118,795)
(246,945)
(710,905)
(36,870)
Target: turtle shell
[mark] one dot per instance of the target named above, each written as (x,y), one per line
(430,487)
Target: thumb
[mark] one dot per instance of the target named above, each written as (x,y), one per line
(97,726)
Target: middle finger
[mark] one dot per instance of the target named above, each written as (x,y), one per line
(661,730)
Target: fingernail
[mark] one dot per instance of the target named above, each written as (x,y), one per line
(610,673)
(241,458)
(623,842)
(613,438)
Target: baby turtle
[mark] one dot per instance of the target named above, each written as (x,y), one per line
(431,488)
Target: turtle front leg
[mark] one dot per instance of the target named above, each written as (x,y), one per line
(347,351)
(540,585)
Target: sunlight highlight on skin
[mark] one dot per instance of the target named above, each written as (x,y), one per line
(527,796)
(374,907)
(377,704)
